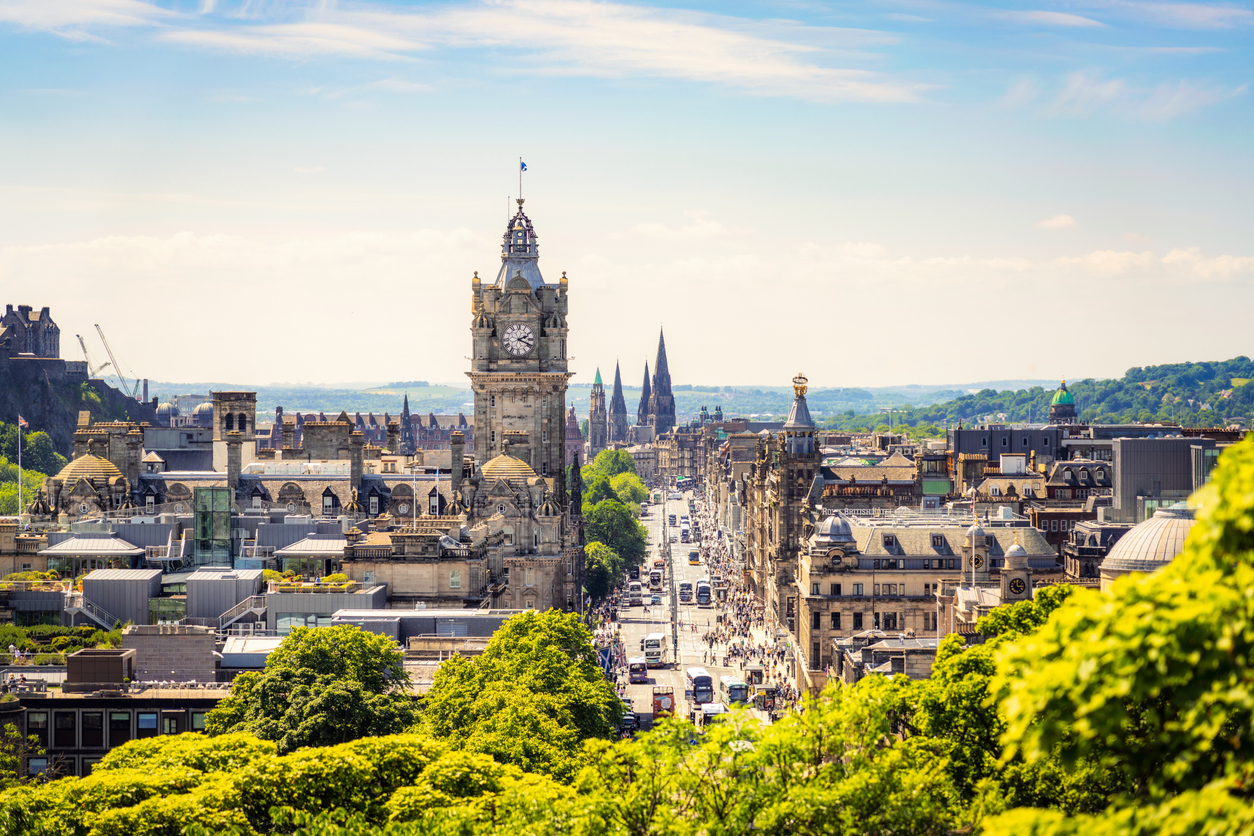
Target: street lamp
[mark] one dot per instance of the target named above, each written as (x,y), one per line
(889,411)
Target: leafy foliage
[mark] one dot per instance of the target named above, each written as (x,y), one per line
(612,523)
(530,700)
(320,687)
(602,569)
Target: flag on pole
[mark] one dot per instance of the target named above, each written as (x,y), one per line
(523,165)
(21,422)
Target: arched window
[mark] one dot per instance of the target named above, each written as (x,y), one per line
(243,422)
(230,422)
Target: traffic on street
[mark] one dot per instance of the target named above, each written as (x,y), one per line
(683,636)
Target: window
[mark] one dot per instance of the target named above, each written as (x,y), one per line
(150,503)
(814,589)
(927,589)
(949,564)
(994,491)
(1053,525)
(374,504)
(230,422)
(875,620)
(64,730)
(877,590)
(857,621)
(37,726)
(984,441)
(1025,441)
(34,766)
(816,621)
(326,503)
(172,724)
(890,621)
(535,539)
(93,729)
(875,564)
(835,621)
(119,728)
(198,721)
(835,589)
(492,402)
(529,576)
(938,541)
(814,655)
(890,541)
(492,436)
(455,579)
(544,437)
(1005,441)
(857,589)
(434,504)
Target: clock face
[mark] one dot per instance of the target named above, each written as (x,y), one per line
(518,340)
(979,561)
(1017,586)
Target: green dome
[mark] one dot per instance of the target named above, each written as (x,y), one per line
(1062,396)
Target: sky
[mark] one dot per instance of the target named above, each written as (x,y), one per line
(874,193)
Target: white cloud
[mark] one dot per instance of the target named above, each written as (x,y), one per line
(1050,18)
(1086,93)
(1190,15)
(578,37)
(701,227)
(1057,222)
(1022,92)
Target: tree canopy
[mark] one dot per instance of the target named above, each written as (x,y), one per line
(319,687)
(613,523)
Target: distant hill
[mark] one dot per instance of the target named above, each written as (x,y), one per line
(1208,394)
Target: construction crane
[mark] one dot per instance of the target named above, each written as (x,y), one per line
(117,370)
(92,371)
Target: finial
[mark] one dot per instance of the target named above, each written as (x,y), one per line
(520,202)
(799,384)
(476,274)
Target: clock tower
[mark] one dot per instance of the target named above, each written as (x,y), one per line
(518,364)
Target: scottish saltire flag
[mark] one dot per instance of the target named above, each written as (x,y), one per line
(523,164)
(21,422)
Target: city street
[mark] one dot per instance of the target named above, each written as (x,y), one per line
(636,624)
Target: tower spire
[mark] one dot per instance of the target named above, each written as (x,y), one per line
(618,409)
(642,413)
(661,400)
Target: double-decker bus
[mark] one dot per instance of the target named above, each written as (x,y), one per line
(655,650)
(634,593)
(701,685)
(694,558)
(655,580)
(705,596)
(637,670)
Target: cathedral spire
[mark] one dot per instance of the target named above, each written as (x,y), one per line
(618,409)
(661,400)
(642,413)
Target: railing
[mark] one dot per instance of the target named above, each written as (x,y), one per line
(302,588)
(254,602)
(101,615)
(27,545)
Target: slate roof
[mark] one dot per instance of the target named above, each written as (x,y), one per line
(916,541)
(93,544)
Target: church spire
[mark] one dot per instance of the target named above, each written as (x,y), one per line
(642,413)
(618,409)
(661,401)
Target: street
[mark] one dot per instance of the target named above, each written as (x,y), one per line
(636,623)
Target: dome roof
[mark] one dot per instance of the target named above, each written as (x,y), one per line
(975,530)
(506,466)
(1016,557)
(1062,396)
(168,410)
(88,467)
(834,529)
(1152,544)
(205,408)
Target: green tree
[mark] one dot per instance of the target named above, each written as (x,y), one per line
(530,699)
(609,463)
(320,687)
(612,523)
(629,489)
(602,569)
(599,490)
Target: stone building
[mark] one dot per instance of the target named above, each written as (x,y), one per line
(30,331)
(574,437)
(1149,546)
(1062,407)
(618,411)
(661,415)
(598,420)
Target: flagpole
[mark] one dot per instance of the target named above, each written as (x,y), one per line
(520,178)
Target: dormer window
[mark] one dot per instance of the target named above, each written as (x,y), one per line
(890,542)
(938,541)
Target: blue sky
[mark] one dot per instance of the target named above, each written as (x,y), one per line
(875,193)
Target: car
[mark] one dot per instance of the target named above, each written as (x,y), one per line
(656,599)
(674,539)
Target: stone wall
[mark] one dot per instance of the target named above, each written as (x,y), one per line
(172,653)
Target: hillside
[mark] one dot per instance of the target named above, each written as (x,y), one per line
(1204,394)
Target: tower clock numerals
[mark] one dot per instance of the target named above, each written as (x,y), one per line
(518,340)
(978,561)
(1017,586)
